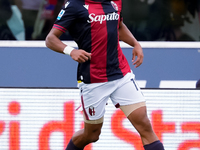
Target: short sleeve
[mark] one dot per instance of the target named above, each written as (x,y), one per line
(66,17)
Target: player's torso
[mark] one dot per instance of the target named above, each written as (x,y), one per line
(94,19)
(95,29)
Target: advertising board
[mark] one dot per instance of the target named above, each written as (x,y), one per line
(46,118)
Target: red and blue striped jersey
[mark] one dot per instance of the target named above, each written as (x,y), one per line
(93,24)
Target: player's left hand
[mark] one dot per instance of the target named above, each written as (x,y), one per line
(138,55)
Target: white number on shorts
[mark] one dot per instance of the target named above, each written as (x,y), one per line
(134,84)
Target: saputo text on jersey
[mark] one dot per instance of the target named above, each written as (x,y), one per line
(95,18)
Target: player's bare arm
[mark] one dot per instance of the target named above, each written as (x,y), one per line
(53,42)
(126,36)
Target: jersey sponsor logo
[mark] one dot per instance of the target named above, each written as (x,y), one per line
(114,5)
(86,6)
(61,14)
(67,4)
(100,18)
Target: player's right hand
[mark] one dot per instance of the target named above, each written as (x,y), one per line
(80,55)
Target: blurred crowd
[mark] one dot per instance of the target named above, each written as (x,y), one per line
(27,19)
(163,20)
(148,20)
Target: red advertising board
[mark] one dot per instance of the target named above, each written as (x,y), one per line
(45,119)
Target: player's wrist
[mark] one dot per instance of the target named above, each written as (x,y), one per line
(67,50)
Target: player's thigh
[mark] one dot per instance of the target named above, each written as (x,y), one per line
(93,128)
(92,131)
(140,120)
(142,124)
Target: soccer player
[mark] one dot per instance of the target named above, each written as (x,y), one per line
(103,71)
